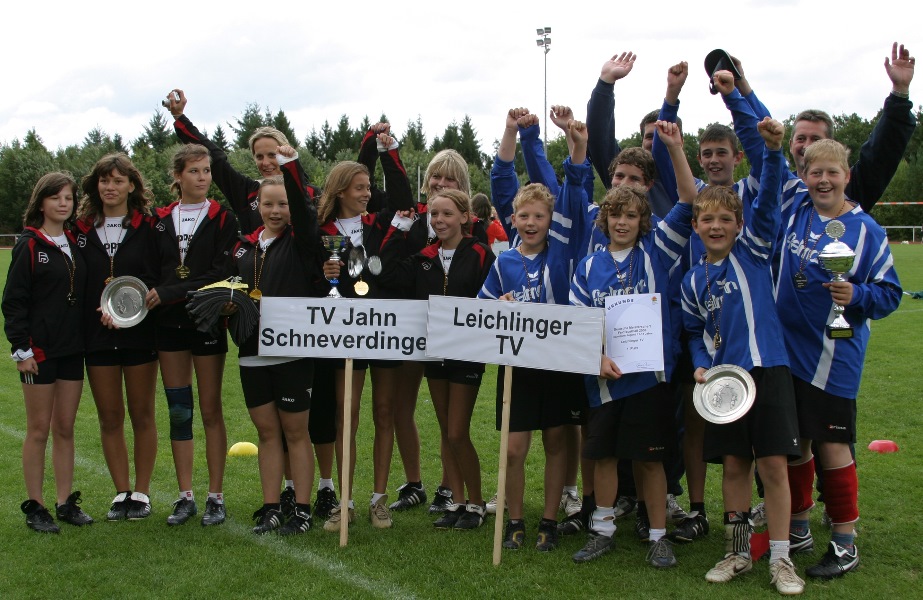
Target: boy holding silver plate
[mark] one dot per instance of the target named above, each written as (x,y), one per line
(729,311)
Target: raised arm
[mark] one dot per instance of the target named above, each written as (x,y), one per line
(538,169)
(600,119)
(503,181)
(398,195)
(881,154)
(744,121)
(676,78)
(766,216)
(303,213)
(670,136)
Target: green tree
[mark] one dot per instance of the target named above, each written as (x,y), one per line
(414,135)
(468,145)
(246,124)
(21,165)
(344,138)
(157,134)
(281,122)
(219,138)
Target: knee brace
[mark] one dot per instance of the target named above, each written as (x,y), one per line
(179,401)
(800,483)
(841,491)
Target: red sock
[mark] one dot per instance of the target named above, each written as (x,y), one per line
(800,484)
(841,494)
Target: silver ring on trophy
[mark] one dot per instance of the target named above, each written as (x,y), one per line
(334,244)
(837,259)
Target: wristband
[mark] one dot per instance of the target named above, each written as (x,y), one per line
(21,355)
(904,95)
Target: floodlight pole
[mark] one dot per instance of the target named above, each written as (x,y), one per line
(544,42)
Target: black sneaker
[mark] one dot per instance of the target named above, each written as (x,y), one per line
(325,502)
(409,496)
(547,535)
(287,501)
(267,519)
(472,517)
(643,528)
(38,517)
(836,562)
(215,513)
(515,535)
(449,517)
(596,546)
(690,529)
(800,544)
(139,506)
(119,509)
(572,525)
(70,512)
(299,522)
(183,510)
(442,500)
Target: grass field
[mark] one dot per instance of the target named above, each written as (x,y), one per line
(412,560)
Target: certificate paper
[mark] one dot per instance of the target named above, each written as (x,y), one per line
(634,332)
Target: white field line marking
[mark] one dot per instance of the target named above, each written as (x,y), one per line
(339,570)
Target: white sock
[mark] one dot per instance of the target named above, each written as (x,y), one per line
(325,483)
(570,489)
(778,550)
(376,497)
(656,534)
(187,495)
(218,497)
(351,505)
(604,521)
(289,483)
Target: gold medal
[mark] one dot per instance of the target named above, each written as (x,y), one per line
(256,294)
(182,271)
(107,280)
(361,287)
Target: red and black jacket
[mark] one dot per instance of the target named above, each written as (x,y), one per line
(241,191)
(422,275)
(35,305)
(136,255)
(208,258)
(290,266)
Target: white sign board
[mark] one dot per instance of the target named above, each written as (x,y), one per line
(521,334)
(634,332)
(343,328)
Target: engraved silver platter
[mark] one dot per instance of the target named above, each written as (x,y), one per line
(123,299)
(727,394)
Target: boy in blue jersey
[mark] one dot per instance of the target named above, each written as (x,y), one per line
(827,368)
(729,311)
(630,415)
(537,269)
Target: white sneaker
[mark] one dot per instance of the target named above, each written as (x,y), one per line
(758,516)
(625,505)
(728,568)
(492,505)
(675,512)
(785,578)
(570,503)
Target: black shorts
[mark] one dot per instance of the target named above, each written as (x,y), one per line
(66,368)
(770,428)
(823,417)
(288,385)
(542,399)
(456,371)
(126,357)
(176,339)
(322,421)
(638,427)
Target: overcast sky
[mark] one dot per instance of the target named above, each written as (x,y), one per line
(71,66)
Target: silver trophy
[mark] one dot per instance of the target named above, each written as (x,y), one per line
(837,259)
(334,244)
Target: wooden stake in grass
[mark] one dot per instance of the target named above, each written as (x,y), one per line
(501,470)
(347,444)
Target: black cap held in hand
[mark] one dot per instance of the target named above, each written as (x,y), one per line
(719,60)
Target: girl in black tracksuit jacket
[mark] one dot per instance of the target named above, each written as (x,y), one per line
(115,236)
(42,306)
(455,265)
(281,258)
(345,207)
(194,240)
